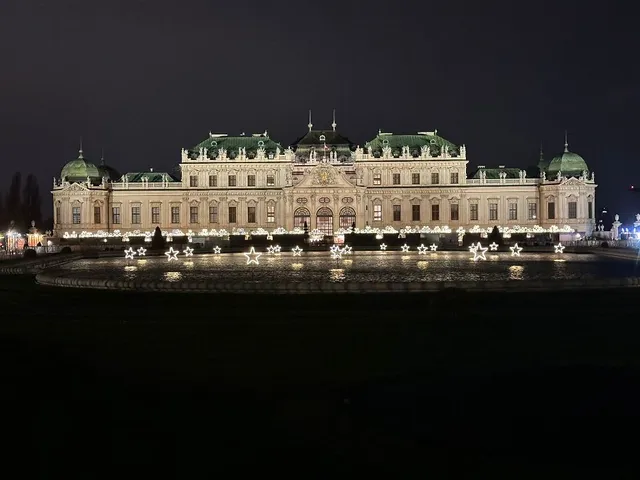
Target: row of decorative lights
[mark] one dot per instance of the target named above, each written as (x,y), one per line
(337,251)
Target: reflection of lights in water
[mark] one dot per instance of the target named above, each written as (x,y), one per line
(406,257)
(336,274)
(515,272)
(559,260)
(493,258)
(142,262)
(297,266)
(422,265)
(347,261)
(172,276)
(189,265)
(130,268)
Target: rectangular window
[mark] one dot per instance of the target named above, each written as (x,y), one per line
(193,181)
(193,214)
(96,215)
(251,214)
(213,180)
(435,212)
(232,180)
(377,213)
(175,214)
(396,179)
(377,179)
(75,213)
(590,210)
(271,213)
(115,215)
(454,177)
(213,214)
(58,218)
(473,212)
(397,213)
(135,215)
(271,181)
(533,211)
(493,211)
(455,212)
(232,214)
(573,209)
(551,210)
(415,179)
(513,211)
(155,215)
(251,180)
(415,213)
(435,178)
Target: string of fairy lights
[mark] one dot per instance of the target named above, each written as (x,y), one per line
(336,251)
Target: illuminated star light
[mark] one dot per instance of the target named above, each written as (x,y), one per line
(433,247)
(515,250)
(335,248)
(473,247)
(172,254)
(129,253)
(337,254)
(383,246)
(422,250)
(252,256)
(142,252)
(277,248)
(559,248)
(217,250)
(347,250)
(270,250)
(405,248)
(493,247)
(188,252)
(296,251)
(478,253)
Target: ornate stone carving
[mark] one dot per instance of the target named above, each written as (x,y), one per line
(323,176)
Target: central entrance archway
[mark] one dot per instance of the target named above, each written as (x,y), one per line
(324,221)
(347,217)
(300,217)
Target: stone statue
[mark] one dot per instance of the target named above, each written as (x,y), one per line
(277,151)
(424,150)
(617,217)
(638,217)
(559,176)
(369,150)
(543,176)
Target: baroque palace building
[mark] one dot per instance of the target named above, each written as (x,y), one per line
(250,182)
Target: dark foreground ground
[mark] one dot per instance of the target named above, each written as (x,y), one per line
(105,385)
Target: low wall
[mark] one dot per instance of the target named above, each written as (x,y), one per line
(59,279)
(30,267)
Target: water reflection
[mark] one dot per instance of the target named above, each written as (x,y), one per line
(516,272)
(130,268)
(172,276)
(297,266)
(336,275)
(422,265)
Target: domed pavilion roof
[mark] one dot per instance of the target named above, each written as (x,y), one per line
(569,164)
(79,170)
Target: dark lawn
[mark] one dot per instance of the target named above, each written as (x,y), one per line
(184,385)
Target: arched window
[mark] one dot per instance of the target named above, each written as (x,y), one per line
(300,216)
(324,221)
(347,217)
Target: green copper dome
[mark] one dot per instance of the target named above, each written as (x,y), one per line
(79,169)
(569,164)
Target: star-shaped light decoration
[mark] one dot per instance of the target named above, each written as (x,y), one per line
(422,250)
(478,253)
(296,251)
(172,254)
(515,250)
(473,247)
(433,247)
(142,252)
(129,253)
(188,252)
(270,250)
(559,248)
(217,250)
(347,250)
(337,254)
(405,248)
(493,247)
(252,256)
(277,248)
(383,246)
(335,248)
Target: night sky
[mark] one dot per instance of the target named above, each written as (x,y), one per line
(142,79)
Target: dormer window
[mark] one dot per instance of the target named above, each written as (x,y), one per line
(323,138)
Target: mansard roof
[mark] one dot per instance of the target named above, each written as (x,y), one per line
(232,144)
(134,177)
(512,172)
(315,138)
(413,141)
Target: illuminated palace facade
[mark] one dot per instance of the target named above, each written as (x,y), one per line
(323,181)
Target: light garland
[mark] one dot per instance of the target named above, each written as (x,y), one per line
(559,248)
(188,252)
(405,248)
(142,252)
(433,247)
(252,256)
(296,251)
(493,247)
(422,250)
(383,246)
(478,253)
(172,254)
(515,250)
(129,253)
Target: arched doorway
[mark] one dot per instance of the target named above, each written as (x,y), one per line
(347,217)
(300,216)
(324,220)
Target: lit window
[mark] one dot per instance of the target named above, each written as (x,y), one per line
(271,213)
(270,181)
(75,214)
(377,179)
(377,213)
